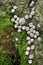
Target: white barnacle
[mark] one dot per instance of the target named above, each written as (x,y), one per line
(16,21)
(15,26)
(39,39)
(29,42)
(19,30)
(19,27)
(33,26)
(34,31)
(15,16)
(27,28)
(27,53)
(23,27)
(30,61)
(31,30)
(28,38)
(35,36)
(37,33)
(32,12)
(30,24)
(12,10)
(13,20)
(31,56)
(39,25)
(16,39)
(31,4)
(28,32)
(15,7)
(33,8)
(18,18)
(26,16)
(22,21)
(31,35)
(32,40)
(32,47)
(30,16)
(28,49)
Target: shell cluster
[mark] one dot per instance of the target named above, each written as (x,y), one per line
(32,33)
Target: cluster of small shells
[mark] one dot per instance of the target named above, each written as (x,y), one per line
(30,29)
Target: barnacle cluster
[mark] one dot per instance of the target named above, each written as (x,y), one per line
(32,33)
